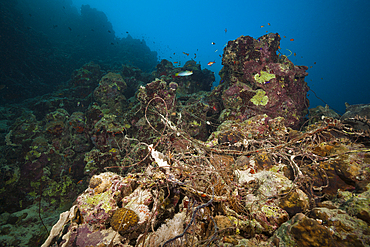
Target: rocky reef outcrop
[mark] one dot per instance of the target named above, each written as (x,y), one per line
(256,80)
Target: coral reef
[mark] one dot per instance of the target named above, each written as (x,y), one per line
(110,92)
(41,58)
(200,80)
(177,166)
(253,182)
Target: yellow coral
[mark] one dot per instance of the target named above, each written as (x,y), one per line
(260,98)
(263,77)
(124,220)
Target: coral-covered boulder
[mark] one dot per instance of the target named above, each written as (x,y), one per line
(110,90)
(77,127)
(98,203)
(55,122)
(256,80)
(327,227)
(155,89)
(88,74)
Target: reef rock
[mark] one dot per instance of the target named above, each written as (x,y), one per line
(98,203)
(200,80)
(256,80)
(327,227)
(352,111)
(110,92)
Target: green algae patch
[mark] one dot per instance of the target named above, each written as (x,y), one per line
(15,177)
(102,199)
(263,77)
(260,98)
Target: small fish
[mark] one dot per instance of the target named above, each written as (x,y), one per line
(294,54)
(291,39)
(213,43)
(225,30)
(70,29)
(80,181)
(210,63)
(284,36)
(175,62)
(109,31)
(216,50)
(262,26)
(184,73)
(314,62)
(269,24)
(187,54)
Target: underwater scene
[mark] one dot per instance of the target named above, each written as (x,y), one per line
(197,123)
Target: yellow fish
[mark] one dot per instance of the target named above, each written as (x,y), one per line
(184,73)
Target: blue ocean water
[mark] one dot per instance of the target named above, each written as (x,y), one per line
(330,37)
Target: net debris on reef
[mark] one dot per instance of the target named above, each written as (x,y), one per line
(176,166)
(277,187)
